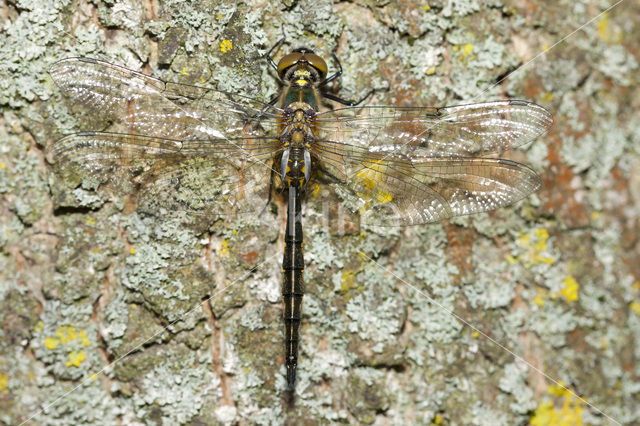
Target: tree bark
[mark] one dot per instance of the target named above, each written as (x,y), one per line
(529,314)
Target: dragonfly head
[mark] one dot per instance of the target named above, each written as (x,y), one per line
(302,64)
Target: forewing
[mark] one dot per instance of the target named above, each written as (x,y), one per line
(132,102)
(394,189)
(457,131)
(200,176)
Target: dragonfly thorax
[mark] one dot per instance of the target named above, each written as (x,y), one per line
(296,136)
(297,125)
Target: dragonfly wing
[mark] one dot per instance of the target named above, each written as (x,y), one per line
(200,176)
(131,102)
(391,189)
(456,131)
(206,187)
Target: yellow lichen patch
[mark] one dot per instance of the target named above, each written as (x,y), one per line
(431,70)
(76,358)
(467,49)
(133,250)
(548,260)
(570,290)
(367,177)
(524,239)
(66,334)
(38,327)
(2,166)
(383,197)
(370,177)
(315,190)
(51,342)
(475,334)
(546,97)
(224,248)
(569,415)
(93,376)
(84,339)
(348,281)
(534,248)
(606,33)
(90,221)
(185,71)
(595,215)
(558,389)
(426,8)
(635,307)
(437,420)
(4,384)
(226,46)
(541,245)
(540,296)
(545,47)
(542,235)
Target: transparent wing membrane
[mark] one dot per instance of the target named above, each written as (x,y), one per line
(198,176)
(207,188)
(457,131)
(132,102)
(390,189)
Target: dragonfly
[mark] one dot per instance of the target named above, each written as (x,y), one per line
(212,153)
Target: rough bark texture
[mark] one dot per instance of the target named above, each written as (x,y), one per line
(555,280)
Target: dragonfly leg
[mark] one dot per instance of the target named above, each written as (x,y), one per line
(271,180)
(346,102)
(337,98)
(271,103)
(272,63)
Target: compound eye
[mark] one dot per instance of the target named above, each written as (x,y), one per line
(288,61)
(318,63)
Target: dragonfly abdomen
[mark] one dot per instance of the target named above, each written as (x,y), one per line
(293,284)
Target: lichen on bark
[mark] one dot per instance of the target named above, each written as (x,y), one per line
(85,279)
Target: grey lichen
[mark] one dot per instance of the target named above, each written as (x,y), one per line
(85,280)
